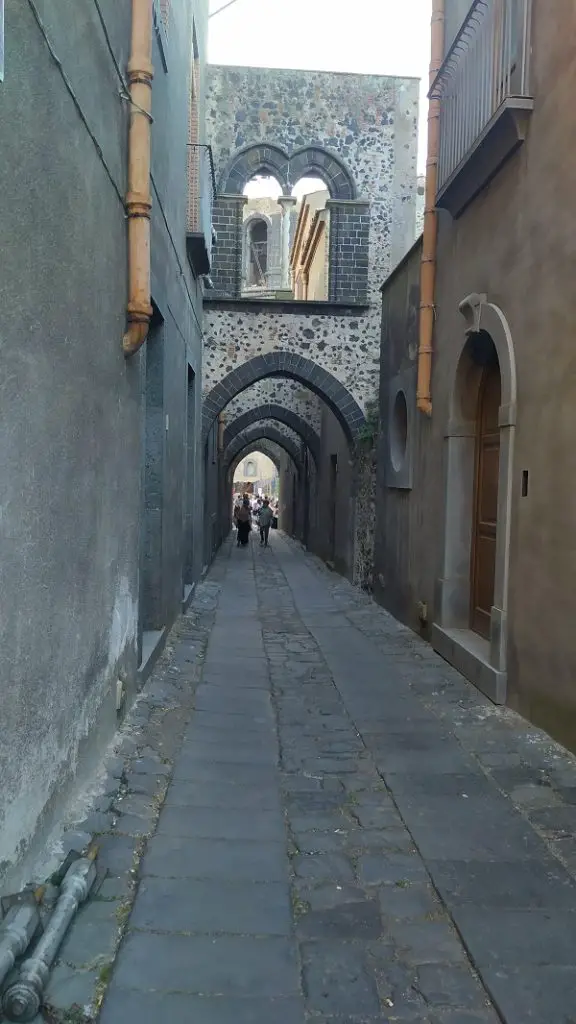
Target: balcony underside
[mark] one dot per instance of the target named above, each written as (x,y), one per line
(501,137)
(198,253)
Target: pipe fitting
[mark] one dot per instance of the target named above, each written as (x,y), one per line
(23,999)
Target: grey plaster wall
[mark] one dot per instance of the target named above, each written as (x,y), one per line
(72,409)
(404,562)
(331,535)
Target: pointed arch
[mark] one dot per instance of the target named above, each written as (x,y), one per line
(270,411)
(252,435)
(285,364)
(288,168)
(264,445)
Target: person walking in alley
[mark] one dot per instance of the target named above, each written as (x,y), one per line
(265,519)
(244,523)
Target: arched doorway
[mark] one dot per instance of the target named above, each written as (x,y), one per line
(470,628)
(487,462)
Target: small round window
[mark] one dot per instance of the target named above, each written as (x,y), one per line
(399,431)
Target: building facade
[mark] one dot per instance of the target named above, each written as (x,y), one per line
(100,527)
(474,539)
(310,364)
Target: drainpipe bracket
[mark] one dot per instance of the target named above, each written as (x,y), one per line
(140,70)
(138,205)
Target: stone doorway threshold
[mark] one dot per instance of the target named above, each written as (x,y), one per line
(470,654)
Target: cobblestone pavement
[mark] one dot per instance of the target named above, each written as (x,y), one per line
(351,834)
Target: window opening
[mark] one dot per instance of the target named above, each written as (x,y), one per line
(286,239)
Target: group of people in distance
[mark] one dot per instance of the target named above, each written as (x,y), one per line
(246,510)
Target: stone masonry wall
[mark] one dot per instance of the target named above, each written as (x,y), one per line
(370,124)
(277,391)
(359,134)
(343,345)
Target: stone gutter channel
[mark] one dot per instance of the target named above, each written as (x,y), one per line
(123,817)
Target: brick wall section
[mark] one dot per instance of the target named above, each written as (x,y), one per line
(349,234)
(227,252)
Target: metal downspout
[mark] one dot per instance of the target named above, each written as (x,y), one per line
(429,241)
(138,199)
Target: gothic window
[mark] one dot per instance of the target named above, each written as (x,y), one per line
(249,468)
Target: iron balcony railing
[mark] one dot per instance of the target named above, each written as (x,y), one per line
(487,65)
(202,193)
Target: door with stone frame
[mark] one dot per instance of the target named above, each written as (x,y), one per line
(485,500)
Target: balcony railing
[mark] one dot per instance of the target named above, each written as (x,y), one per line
(201,195)
(485,75)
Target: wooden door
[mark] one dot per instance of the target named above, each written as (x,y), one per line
(485,501)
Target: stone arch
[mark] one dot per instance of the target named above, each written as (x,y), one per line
(483,661)
(252,435)
(270,411)
(265,158)
(264,445)
(285,364)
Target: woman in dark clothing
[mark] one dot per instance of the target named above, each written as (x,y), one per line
(244,524)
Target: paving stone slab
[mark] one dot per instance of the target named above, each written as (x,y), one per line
(227,794)
(427,784)
(92,936)
(214,823)
(261,908)
(208,965)
(170,857)
(237,724)
(451,986)
(126,1007)
(351,920)
(515,938)
(408,901)
(526,883)
(67,986)
(197,751)
(535,994)
(427,942)
(200,770)
(391,869)
(323,867)
(336,979)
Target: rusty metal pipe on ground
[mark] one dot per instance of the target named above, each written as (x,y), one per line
(429,240)
(16,933)
(23,999)
(138,199)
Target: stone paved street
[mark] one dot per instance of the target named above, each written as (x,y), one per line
(351,833)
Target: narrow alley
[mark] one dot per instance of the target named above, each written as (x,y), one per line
(351,832)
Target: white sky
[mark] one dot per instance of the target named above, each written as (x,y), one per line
(381,37)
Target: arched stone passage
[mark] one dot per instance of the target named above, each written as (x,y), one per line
(275,412)
(485,661)
(251,436)
(288,168)
(264,445)
(285,364)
